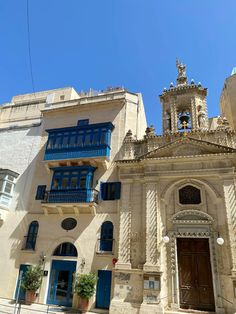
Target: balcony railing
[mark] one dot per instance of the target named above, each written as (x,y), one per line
(105,246)
(71,196)
(29,243)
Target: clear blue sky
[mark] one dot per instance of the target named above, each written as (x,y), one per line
(130,43)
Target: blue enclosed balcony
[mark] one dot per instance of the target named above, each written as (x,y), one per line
(79,142)
(71,191)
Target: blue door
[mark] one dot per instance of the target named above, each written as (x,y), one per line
(20,293)
(103,292)
(60,284)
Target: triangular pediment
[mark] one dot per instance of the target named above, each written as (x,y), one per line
(186,146)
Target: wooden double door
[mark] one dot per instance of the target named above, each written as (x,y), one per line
(195,275)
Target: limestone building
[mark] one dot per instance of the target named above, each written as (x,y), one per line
(177,226)
(228,99)
(59,187)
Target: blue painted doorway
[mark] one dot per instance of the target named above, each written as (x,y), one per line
(60,284)
(103,293)
(20,293)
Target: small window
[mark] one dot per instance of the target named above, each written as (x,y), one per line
(110,191)
(189,195)
(106,240)
(69,224)
(83,122)
(31,236)
(40,194)
(62,97)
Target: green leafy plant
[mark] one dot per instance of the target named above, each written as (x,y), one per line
(32,278)
(84,285)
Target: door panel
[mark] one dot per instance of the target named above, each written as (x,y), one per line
(195,278)
(103,292)
(20,293)
(60,285)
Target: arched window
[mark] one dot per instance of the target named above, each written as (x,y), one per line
(189,195)
(106,239)
(32,235)
(65,249)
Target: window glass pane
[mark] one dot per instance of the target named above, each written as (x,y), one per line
(72,140)
(95,139)
(75,172)
(10,178)
(1,185)
(74,182)
(8,187)
(82,182)
(80,140)
(55,183)
(64,183)
(65,140)
(57,142)
(103,138)
(87,140)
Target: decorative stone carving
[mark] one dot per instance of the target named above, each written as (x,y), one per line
(151,226)
(182,78)
(125,229)
(150,131)
(192,216)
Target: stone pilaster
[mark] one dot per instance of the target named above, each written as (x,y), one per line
(194,117)
(125,228)
(230,205)
(174,118)
(152,262)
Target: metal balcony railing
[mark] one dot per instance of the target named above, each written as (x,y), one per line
(71,196)
(105,246)
(29,243)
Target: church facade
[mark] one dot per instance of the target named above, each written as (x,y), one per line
(177,244)
(86,186)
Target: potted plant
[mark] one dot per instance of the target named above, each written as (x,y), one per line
(84,287)
(31,282)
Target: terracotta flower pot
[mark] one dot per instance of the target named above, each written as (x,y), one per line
(83,305)
(30,297)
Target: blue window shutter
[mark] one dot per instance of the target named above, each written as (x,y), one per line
(118,189)
(40,194)
(102,190)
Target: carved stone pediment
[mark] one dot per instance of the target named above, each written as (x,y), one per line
(186,146)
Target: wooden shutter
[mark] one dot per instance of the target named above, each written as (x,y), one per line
(118,189)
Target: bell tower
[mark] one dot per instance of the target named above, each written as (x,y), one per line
(184,105)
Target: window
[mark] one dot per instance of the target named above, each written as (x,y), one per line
(189,195)
(110,191)
(65,249)
(7,183)
(83,122)
(68,224)
(40,194)
(106,239)
(31,236)
(72,178)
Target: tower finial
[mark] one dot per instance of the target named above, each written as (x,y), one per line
(182,78)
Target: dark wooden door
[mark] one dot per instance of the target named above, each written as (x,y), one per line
(195,277)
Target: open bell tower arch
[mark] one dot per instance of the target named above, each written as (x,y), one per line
(184,106)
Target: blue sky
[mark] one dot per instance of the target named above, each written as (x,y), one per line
(131,43)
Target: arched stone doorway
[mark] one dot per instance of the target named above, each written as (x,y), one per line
(60,290)
(192,261)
